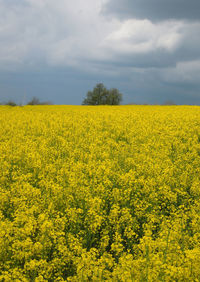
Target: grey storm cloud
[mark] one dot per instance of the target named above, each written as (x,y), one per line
(147,48)
(154,9)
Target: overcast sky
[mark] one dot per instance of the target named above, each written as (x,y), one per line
(58,50)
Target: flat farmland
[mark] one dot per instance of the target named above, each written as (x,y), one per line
(100,193)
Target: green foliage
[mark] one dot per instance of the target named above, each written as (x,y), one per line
(11,103)
(102,96)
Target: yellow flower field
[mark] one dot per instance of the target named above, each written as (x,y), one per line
(108,193)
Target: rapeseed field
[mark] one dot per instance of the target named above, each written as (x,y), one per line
(108,193)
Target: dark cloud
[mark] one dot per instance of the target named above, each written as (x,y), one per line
(154,9)
(51,50)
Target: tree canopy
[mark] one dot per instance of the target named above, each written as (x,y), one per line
(100,95)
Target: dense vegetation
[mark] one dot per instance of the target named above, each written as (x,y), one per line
(99,193)
(100,95)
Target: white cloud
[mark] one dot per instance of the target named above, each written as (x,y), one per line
(61,32)
(142,36)
(35,33)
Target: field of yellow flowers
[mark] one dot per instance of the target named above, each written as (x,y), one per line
(100,193)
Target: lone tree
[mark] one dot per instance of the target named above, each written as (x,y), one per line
(102,96)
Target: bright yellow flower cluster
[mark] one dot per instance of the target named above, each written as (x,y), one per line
(108,193)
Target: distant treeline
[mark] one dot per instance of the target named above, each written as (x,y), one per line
(33,102)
